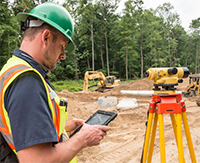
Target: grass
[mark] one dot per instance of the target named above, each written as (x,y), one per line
(70,85)
(74,85)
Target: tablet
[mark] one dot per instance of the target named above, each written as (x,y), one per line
(100,117)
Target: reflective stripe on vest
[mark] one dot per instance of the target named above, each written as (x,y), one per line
(4,120)
(14,67)
(5,80)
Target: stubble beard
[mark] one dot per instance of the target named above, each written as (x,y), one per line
(49,64)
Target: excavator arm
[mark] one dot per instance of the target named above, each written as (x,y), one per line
(90,75)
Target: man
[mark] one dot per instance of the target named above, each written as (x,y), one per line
(32,119)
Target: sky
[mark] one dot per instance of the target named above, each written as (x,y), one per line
(188,10)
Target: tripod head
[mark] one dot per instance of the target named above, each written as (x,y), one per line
(166,77)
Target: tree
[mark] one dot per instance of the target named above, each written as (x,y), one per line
(139,14)
(128,32)
(106,9)
(9,31)
(87,10)
(195,26)
(171,21)
(72,7)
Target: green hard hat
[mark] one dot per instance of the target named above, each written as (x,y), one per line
(55,15)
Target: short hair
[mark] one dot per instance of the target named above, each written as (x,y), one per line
(32,31)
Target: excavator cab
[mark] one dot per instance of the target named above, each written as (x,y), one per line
(111,81)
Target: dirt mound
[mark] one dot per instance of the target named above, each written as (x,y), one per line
(124,141)
(198,101)
(144,84)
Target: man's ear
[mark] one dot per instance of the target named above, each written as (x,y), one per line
(46,35)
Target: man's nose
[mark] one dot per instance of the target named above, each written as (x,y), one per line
(62,56)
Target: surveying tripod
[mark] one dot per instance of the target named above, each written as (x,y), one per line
(166,101)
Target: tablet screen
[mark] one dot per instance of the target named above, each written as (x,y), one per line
(98,119)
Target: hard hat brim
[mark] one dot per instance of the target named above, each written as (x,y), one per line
(23,16)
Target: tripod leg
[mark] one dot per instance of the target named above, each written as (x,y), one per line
(162,138)
(147,136)
(174,125)
(179,138)
(174,128)
(188,136)
(153,137)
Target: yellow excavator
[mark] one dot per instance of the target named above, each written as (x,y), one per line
(104,82)
(193,88)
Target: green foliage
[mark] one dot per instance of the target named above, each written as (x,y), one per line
(158,34)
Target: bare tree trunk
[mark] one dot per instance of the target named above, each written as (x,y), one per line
(113,62)
(141,52)
(196,63)
(76,68)
(101,51)
(88,62)
(126,62)
(129,69)
(170,61)
(120,70)
(186,57)
(107,57)
(75,64)
(92,39)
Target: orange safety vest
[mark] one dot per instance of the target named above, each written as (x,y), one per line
(15,67)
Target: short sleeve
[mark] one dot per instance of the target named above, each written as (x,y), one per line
(30,116)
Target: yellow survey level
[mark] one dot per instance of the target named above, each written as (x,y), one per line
(165,101)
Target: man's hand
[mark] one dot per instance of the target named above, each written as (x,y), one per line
(92,134)
(72,125)
(89,135)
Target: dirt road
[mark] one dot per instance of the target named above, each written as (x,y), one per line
(125,139)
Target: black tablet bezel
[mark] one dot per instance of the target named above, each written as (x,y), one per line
(111,115)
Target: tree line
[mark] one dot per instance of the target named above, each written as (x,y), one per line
(123,44)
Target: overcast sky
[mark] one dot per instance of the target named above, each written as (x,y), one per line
(186,9)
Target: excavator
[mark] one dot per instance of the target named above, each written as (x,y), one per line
(193,88)
(104,82)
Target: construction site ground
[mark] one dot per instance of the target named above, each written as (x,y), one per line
(124,140)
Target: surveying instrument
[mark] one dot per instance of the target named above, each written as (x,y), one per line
(165,100)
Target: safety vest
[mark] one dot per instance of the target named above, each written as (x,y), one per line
(15,67)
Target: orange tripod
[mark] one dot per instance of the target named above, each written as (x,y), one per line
(167,104)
